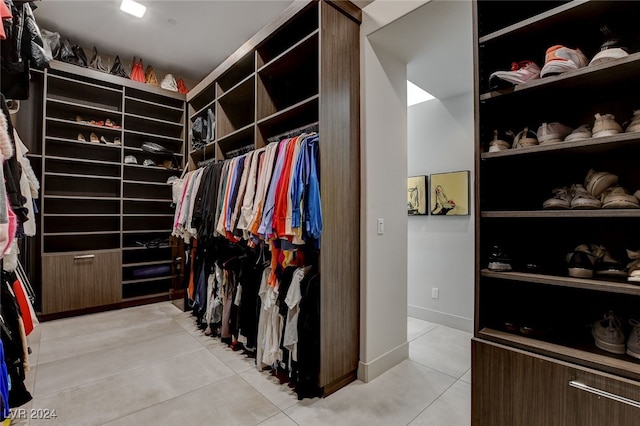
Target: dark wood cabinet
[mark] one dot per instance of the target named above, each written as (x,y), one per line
(541,316)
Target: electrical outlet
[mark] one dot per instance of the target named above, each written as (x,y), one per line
(380,226)
(435,293)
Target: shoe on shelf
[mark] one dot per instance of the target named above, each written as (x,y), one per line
(608,334)
(597,182)
(81,137)
(605,125)
(116,141)
(105,140)
(130,159)
(560,59)
(606,264)
(521,72)
(552,133)
(561,200)
(109,123)
(498,260)
(615,47)
(616,197)
(581,199)
(148,162)
(80,120)
(501,141)
(94,138)
(633,342)
(633,268)
(634,124)
(581,133)
(525,138)
(581,262)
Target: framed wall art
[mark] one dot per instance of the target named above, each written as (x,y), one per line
(417,195)
(449,194)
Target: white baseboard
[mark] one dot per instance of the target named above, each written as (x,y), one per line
(449,320)
(368,371)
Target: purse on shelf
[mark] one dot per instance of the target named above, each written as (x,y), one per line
(66,53)
(169,83)
(182,88)
(137,71)
(81,58)
(118,69)
(96,62)
(150,76)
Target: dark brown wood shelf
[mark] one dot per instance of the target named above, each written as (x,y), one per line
(566,281)
(82,176)
(84,125)
(622,365)
(154,135)
(78,105)
(141,117)
(81,160)
(203,109)
(155,104)
(601,213)
(158,262)
(293,50)
(86,143)
(624,68)
(588,145)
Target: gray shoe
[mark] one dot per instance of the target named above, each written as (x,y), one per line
(608,334)
(633,343)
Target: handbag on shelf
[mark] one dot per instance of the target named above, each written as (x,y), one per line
(169,83)
(150,76)
(137,71)
(118,69)
(182,88)
(96,62)
(81,58)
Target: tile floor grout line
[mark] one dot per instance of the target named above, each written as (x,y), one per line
(119,344)
(435,369)
(123,371)
(110,347)
(432,402)
(165,401)
(258,390)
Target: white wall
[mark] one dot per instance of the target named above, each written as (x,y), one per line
(383,303)
(441,249)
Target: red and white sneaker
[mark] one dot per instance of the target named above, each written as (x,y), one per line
(521,72)
(560,59)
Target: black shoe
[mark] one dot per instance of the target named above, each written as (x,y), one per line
(498,260)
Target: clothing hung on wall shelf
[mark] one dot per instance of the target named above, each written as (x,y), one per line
(257,220)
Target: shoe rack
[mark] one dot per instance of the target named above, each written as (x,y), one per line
(533,355)
(97,212)
(300,71)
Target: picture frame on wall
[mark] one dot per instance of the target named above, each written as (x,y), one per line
(417,195)
(449,194)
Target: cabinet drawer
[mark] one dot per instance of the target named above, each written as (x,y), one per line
(80,280)
(511,387)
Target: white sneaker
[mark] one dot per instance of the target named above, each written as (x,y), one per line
(597,182)
(581,133)
(501,141)
(552,133)
(605,125)
(560,59)
(634,125)
(521,72)
(608,55)
(581,199)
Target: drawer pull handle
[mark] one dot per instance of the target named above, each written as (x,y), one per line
(84,256)
(604,394)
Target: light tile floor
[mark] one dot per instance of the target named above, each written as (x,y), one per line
(151,365)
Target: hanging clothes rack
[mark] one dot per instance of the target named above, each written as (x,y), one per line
(308,128)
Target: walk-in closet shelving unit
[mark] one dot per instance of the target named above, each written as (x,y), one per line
(534,358)
(301,70)
(100,213)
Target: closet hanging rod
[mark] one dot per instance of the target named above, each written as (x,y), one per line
(308,128)
(204,163)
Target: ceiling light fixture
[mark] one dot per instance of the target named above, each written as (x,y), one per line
(417,95)
(133,8)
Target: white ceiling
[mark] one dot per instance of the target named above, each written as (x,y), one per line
(201,35)
(435,41)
